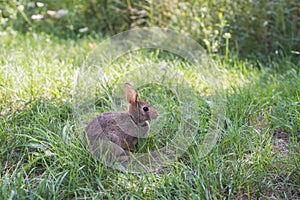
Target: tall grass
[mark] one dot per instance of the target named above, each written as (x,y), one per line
(259,29)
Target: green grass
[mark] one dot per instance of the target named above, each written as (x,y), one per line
(43,157)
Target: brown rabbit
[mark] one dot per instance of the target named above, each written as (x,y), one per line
(118,132)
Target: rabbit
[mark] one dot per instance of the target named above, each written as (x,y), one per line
(118,132)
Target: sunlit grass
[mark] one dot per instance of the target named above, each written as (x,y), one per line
(42,156)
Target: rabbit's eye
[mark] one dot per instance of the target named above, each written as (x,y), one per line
(145,108)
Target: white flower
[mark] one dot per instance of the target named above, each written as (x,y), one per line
(21,8)
(227,35)
(82,30)
(37,17)
(62,12)
(39,4)
(51,13)
(204,9)
(3,33)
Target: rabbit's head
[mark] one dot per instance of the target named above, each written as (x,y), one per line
(139,110)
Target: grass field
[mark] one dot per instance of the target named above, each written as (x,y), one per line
(43,157)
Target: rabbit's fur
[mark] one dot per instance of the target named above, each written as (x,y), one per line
(118,132)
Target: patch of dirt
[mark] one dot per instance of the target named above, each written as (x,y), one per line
(281,143)
(269,194)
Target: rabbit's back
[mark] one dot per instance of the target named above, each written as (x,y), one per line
(108,126)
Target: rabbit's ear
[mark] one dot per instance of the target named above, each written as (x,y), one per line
(130,93)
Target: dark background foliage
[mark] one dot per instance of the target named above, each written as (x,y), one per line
(257,28)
